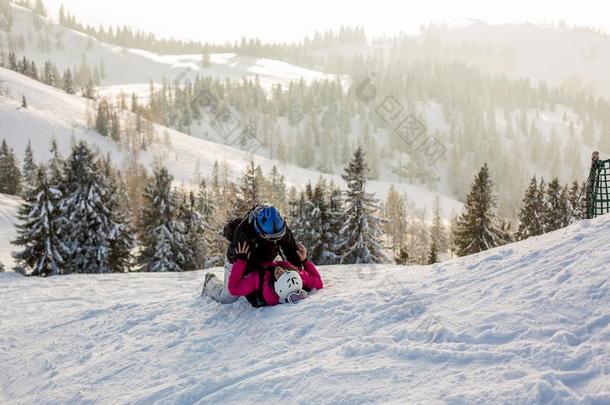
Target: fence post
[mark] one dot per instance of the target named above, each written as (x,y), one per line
(590,187)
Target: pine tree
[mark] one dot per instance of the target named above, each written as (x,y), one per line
(121,239)
(577,204)
(249,191)
(24,102)
(395,224)
(195,232)
(10,175)
(56,164)
(556,210)
(102,118)
(89,90)
(38,231)
(68,82)
(86,218)
(477,229)
(438,234)
(29,170)
(433,255)
(361,230)
(163,238)
(531,221)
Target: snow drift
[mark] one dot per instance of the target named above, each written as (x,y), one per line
(524,323)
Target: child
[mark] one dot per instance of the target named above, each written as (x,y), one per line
(274,283)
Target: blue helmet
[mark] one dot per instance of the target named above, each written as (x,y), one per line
(268,222)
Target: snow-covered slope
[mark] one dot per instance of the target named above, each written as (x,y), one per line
(525,323)
(560,57)
(51,112)
(9,206)
(125,66)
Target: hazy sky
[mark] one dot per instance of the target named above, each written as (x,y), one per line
(288,20)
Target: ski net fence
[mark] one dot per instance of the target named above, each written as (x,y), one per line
(598,187)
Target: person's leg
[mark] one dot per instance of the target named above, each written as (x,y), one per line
(226,297)
(218,290)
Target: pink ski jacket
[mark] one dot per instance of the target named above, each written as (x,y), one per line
(241,284)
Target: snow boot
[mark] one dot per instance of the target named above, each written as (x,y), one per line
(208,277)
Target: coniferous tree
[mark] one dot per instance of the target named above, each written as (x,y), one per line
(477,229)
(323,240)
(68,82)
(249,191)
(438,234)
(361,227)
(29,171)
(163,238)
(433,255)
(10,175)
(195,229)
(121,239)
(24,102)
(86,219)
(577,204)
(42,251)
(531,216)
(102,118)
(556,210)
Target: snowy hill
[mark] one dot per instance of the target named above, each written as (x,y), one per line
(45,40)
(525,323)
(53,113)
(560,57)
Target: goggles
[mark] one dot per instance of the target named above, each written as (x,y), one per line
(295,297)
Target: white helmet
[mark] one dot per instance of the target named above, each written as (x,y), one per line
(289,282)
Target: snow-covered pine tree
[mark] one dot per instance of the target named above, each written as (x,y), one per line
(531,216)
(55,166)
(438,233)
(102,118)
(68,82)
(195,233)
(10,175)
(29,171)
(323,240)
(395,213)
(577,203)
(477,229)
(361,229)
(86,218)
(209,204)
(335,202)
(433,255)
(301,209)
(163,238)
(556,209)
(122,238)
(42,251)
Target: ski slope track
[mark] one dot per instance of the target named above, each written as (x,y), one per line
(525,323)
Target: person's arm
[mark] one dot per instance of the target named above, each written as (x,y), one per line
(311,276)
(289,248)
(239,284)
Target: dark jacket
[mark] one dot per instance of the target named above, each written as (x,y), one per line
(261,250)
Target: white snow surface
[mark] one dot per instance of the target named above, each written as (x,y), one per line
(525,323)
